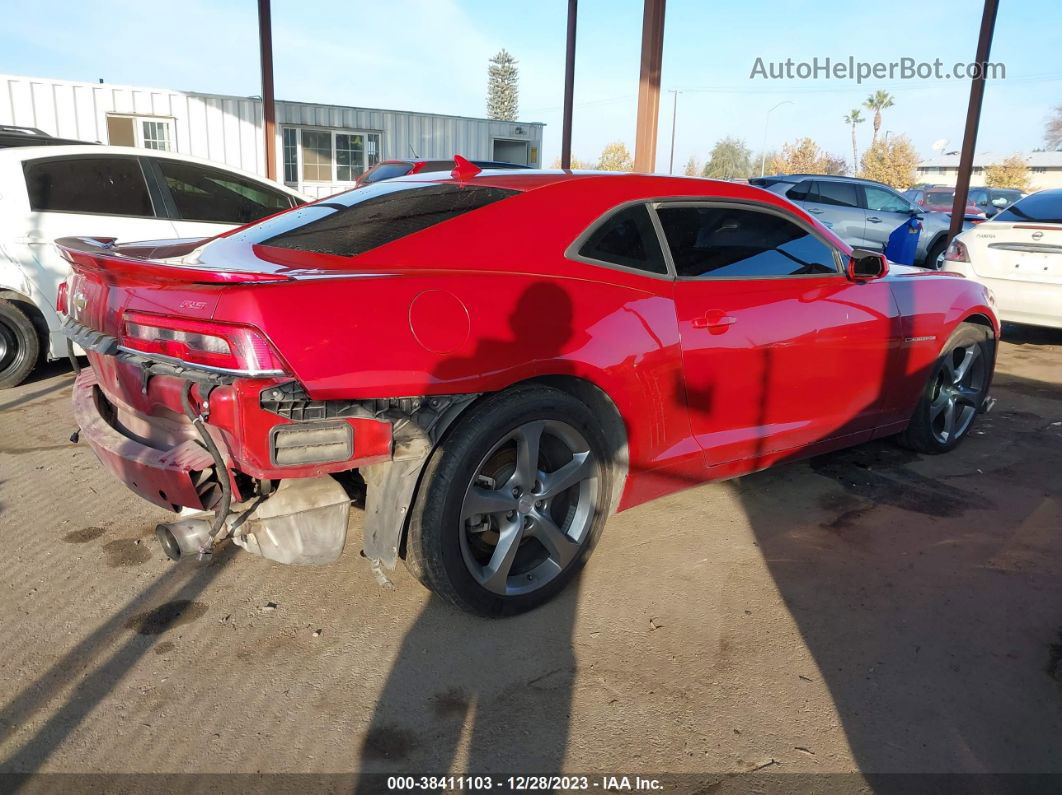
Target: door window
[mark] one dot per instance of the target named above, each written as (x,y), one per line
(96,185)
(628,239)
(802,191)
(837,194)
(727,242)
(206,194)
(885,201)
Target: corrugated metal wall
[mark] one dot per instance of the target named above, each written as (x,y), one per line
(229,129)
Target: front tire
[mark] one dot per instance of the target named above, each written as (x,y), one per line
(935,252)
(511,503)
(956,389)
(19,345)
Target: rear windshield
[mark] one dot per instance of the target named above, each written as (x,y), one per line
(370,217)
(940,196)
(1045,207)
(387,171)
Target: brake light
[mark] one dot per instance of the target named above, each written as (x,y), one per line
(957,252)
(62,305)
(216,346)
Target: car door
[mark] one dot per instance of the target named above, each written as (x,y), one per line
(836,205)
(886,211)
(780,350)
(70,196)
(205,201)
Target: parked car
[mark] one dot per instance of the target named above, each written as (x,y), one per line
(56,191)
(862,212)
(504,359)
(31,136)
(991,201)
(941,200)
(389,169)
(1018,255)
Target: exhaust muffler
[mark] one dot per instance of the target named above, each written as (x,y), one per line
(183,538)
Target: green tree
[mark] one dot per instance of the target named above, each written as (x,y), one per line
(730,159)
(1010,173)
(852,118)
(877,102)
(615,157)
(502,87)
(891,161)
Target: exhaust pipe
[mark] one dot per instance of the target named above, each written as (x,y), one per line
(183,537)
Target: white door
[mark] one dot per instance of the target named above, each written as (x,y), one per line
(94,196)
(208,201)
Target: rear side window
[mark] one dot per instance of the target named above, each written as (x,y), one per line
(836,194)
(726,242)
(385,217)
(387,171)
(207,194)
(628,239)
(100,186)
(800,191)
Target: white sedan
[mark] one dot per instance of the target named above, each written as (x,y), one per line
(1018,255)
(47,192)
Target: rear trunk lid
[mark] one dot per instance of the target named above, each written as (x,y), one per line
(1022,252)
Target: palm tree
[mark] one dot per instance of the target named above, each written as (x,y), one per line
(853,118)
(877,102)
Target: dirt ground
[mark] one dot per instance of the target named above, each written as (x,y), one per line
(868,611)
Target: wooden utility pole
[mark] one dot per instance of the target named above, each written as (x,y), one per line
(569,86)
(269,110)
(973,118)
(649,86)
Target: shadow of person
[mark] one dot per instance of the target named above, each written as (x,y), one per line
(472,694)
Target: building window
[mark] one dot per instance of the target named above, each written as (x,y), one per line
(291,155)
(148,132)
(328,155)
(1039,170)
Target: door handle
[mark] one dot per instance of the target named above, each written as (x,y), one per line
(815,210)
(874,219)
(714,320)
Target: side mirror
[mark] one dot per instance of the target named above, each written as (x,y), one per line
(864,265)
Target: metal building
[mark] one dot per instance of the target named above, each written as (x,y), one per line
(320,149)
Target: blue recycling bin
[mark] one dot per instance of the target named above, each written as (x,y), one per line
(903,242)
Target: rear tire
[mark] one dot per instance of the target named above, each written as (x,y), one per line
(20,345)
(953,395)
(511,502)
(933,254)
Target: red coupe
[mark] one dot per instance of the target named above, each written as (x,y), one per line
(497,361)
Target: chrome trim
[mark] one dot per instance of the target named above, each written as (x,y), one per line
(208,368)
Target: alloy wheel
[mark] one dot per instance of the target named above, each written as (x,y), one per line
(528,510)
(958,387)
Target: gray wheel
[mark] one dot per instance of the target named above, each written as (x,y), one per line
(511,502)
(19,345)
(957,387)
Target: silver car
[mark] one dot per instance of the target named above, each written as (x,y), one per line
(861,212)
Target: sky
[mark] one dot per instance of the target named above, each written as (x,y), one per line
(431,56)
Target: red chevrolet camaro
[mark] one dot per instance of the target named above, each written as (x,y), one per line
(497,361)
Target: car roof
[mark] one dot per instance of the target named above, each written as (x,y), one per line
(825,178)
(23,153)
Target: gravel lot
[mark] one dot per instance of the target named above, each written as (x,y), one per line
(870,611)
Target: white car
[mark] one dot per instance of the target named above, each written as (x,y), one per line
(47,192)
(1018,255)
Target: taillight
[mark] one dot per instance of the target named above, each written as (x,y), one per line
(61,302)
(219,346)
(957,252)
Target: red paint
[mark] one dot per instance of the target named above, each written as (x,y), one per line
(712,378)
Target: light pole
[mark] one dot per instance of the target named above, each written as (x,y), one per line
(766,120)
(674,114)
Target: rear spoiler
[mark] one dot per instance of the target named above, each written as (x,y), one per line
(103,255)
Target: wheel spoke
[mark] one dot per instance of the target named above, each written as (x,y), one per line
(487,501)
(968,357)
(949,420)
(496,572)
(528,437)
(967,395)
(575,471)
(938,405)
(560,546)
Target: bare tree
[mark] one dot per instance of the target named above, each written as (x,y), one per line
(1053,130)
